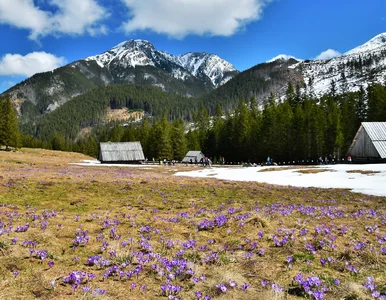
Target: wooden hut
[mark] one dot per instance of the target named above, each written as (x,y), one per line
(193,156)
(369,144)
(121,153)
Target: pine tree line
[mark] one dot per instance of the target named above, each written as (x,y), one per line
(300,127)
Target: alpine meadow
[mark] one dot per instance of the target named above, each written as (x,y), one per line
(156,150)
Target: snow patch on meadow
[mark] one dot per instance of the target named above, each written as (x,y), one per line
(335,176)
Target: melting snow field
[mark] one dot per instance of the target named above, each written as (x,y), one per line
(367,179)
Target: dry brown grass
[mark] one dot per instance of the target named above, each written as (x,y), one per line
(283,168)
(313,171)
(364,172)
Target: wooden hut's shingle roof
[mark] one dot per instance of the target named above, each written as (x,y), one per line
(121,152)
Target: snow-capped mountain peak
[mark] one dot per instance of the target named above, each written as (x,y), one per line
(374,43)
(134,53)
(204,64)
(134,44)
(283,57)
(130,53)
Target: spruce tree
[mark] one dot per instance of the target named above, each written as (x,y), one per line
(179,140)
(360,107)
(9,126)
(290,95)
(2,118)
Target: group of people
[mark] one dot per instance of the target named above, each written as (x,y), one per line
(330,159)
(327,160)
(204,161)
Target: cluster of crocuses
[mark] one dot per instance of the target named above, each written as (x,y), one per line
(98,260)
(113,233)
(372,288)
(29,244)
(276,288)
(81,238)
(283,237)
(231,285)
(75,278)
(312,285)
(95,292)
(41,254)
(22,228)
(218,221)
(170,290)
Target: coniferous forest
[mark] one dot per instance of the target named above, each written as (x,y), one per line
(298,127)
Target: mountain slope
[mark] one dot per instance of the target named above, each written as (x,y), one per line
(91,108)
(373,44)
(258,82)
(203,65)
(357,68)
(134,62)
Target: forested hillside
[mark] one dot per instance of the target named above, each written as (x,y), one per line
(258,82)
(89,109)
(298,127)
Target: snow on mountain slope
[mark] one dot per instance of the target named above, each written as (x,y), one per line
(357,68)
(374,43)
(210,65)
(134,53)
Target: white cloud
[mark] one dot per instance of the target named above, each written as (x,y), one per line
(73,17)
(30,64)
(179,18)
(23,14)
(328,54)
(78,17)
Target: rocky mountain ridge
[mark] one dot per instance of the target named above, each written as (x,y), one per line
(207,67)
(359,67)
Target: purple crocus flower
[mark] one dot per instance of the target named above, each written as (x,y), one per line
(245,286)
(222,287)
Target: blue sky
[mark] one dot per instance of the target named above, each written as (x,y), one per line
(40,35)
